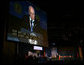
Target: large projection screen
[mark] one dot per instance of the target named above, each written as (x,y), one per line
(27,23)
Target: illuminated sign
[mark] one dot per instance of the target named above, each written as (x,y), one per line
(37,48)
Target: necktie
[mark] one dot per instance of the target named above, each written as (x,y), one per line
(31,26)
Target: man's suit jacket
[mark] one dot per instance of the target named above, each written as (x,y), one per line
(26,24)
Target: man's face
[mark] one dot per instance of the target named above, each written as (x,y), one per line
(32,12)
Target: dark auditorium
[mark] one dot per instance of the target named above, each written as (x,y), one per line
(41,32)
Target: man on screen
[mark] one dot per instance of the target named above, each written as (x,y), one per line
(31,22)
(31,18)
